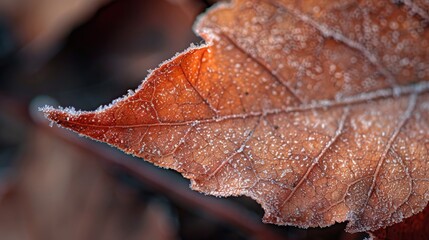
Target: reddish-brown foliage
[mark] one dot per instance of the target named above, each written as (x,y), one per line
(318,110)
(415,228)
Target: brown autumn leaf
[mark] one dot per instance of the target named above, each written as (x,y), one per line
(318,110)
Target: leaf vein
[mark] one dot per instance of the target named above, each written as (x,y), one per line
(264,66)
(237,151)
(420,87)
(322,153)
(340,37)
(404,118)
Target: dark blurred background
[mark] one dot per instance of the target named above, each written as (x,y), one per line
(54,185)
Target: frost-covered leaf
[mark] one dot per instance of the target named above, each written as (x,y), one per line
(318,110)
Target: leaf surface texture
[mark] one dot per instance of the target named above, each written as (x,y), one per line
(318,110)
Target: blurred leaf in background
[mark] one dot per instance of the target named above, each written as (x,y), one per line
(62,193)
(39,26)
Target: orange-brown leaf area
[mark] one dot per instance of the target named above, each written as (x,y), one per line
(318,110)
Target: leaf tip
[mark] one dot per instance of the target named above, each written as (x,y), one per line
(58,116)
